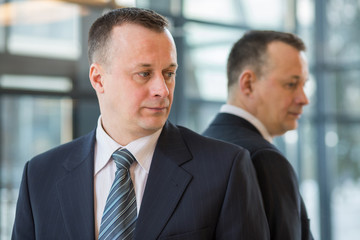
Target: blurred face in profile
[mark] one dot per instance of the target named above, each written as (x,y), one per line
(137,83)
(279,91)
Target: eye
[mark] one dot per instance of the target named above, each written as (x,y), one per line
(169,75)
(144,74)
(291,84)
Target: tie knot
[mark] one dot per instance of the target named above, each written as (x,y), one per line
(123,158)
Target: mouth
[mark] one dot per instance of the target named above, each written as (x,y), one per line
(296,115)
(157,109)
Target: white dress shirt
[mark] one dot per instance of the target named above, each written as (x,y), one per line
(104,170)
(226,108)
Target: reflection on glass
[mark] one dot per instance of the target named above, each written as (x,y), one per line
(345,194)
(305,12)
(227,11)
(28,127)
(271,14)
(202,113)
(343,92)
(208,48)
(310,193)
(343,18)
(44,28)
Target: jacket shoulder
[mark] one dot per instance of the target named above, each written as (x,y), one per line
(61,152)
(194,139)
(243,135)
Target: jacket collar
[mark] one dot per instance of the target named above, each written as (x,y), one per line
(166,183)
(76,189)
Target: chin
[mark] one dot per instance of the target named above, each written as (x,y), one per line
(292,127)
(153,126)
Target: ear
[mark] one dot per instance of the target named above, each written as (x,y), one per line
(246,81)
(96,76)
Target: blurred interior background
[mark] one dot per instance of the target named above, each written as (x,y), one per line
(46,98)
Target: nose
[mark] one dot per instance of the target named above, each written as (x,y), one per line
(159,87)
(301,97)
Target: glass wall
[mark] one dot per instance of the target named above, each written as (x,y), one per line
(46,98)
(323,149)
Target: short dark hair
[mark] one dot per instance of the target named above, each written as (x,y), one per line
(100,31)
(251,49)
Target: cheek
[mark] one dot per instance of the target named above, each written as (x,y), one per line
(288,102)
(119,98)
(132,100)
(171,91)
(277,107)
(135,100)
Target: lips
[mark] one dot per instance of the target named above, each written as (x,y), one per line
(158,105)
(296,114)
(157,108)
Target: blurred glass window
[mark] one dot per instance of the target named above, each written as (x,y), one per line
(44,28)
(343,92)
(238,12)
(343,18)
(29,125)
(38,83)
(206,60)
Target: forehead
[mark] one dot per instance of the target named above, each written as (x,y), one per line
(132,44)
(282,56)
(135,34)
(136,39)
(284,52)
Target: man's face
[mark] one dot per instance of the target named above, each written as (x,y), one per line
(138,82)
(280,91)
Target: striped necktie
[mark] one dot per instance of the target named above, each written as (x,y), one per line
(120,214)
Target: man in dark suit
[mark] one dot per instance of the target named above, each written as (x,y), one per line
(186,186)
(266,75)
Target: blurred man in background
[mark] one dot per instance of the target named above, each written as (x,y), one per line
(266,73)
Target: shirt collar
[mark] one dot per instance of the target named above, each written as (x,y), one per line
(142,149)
(227,108)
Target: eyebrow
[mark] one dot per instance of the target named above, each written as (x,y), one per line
(173,65)
(149,65)
(298,78)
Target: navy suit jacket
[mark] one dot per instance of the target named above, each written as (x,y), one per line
(284,207)
(197,188)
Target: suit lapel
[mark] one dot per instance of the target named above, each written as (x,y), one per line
(166,183)
(75,190)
